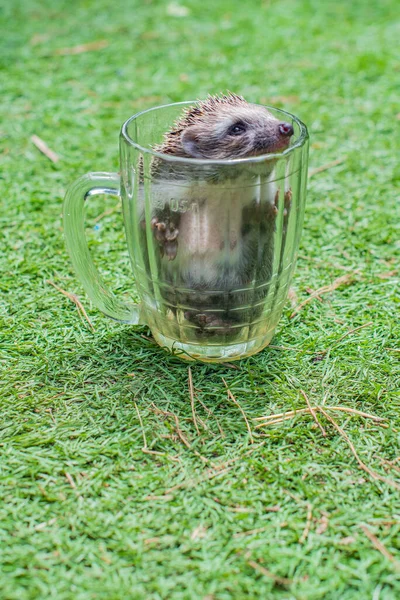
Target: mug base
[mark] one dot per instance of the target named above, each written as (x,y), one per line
(213,353)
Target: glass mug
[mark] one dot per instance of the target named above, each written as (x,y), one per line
(212,243)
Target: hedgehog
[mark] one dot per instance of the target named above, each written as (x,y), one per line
(227,236)
(226,127)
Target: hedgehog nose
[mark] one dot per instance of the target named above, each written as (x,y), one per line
(286,129)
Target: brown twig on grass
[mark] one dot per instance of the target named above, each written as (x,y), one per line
(279,417)
(141,425)
(44,149)
(191,392)
(388,274)
(50,410)
(362,465)
(343,280)
(107,212)
(179,431)
(70,480)
(314,416)
(181,435)
(276,421)
(74,298)
(329,165)
(311,291)
(250,532)
(81,48)
(354,411)
(211,413)
(152,498)
(306,531)
(353,331)
(276,418)
(232,397)
(322,353)
(389,464)
(380,547)
(145,448)
(276,578)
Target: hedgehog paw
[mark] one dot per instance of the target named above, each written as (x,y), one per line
(166,235)
(288,201)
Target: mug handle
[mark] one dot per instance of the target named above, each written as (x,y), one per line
(77,193)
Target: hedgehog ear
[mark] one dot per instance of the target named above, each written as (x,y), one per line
(190,142)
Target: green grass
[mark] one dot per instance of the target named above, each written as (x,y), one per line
(117,526)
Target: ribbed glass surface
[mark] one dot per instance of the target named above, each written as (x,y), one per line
(213,245)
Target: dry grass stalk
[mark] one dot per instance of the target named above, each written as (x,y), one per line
(74,298)
(201,422)
(44,149)
(81,48)
(276,421)
(314,416)
(191,392)
(145,448)
(279,580)
(204,459)
(389,464)
(354,411)
(395,460)
(323,525)
(146,337)
(250,532)
(50,411)
(212,414)
(343,280)
(179,431)
(362,465)
(180,434)
(45,524)
(280,417)
(170,497)
(141,425)
(388,274)
(107,212)
(306,531)
(329,165)
(353,331)
(311,291)
(70,480)
(232,397)
(380,547)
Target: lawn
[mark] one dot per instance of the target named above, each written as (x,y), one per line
(115,481)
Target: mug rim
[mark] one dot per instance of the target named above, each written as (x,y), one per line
(301,139)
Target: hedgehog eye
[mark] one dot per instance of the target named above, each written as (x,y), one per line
(237,129)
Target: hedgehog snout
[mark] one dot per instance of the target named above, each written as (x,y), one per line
(286,129)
